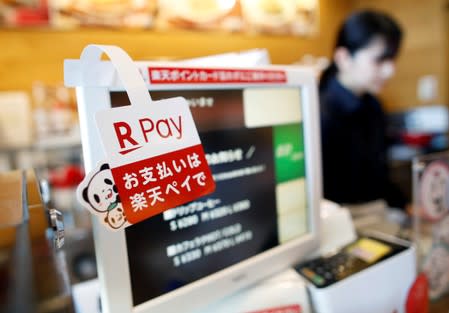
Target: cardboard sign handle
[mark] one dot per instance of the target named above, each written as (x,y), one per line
(129,75)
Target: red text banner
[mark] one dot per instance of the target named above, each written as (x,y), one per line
(151,186)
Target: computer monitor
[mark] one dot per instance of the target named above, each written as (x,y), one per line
(260,131)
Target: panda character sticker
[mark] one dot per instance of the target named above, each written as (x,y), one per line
(98,193)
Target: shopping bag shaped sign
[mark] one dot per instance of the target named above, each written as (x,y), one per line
(155,156)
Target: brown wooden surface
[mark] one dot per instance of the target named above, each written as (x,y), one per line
(11,198)
(38,54)
(38,215)
(440,306)
(10,206)
(11,210)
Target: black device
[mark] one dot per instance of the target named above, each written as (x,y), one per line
(353,258)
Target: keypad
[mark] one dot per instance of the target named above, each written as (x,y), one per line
(325,271)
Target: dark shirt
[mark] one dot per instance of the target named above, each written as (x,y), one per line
(353,146)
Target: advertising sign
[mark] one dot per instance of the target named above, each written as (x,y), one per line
(155,160)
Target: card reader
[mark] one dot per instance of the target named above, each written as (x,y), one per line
(372,274)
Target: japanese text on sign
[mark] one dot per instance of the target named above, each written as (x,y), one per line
(164,75)
(202,211)
(150,186)
(209,243)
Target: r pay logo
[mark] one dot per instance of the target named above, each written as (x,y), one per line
(133,133)
(148,129)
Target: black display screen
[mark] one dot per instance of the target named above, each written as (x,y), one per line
(252,209)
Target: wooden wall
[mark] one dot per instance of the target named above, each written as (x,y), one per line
(30,54)
(425,50)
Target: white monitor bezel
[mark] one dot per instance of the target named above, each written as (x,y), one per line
(112,260)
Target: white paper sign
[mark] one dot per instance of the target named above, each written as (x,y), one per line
(155,160)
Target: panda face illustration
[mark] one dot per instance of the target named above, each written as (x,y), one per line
(115,217)
(101,192)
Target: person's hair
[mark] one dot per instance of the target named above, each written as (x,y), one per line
(358,30)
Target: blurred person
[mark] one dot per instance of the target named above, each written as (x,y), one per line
(352,119)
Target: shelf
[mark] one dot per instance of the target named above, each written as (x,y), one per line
(49,143)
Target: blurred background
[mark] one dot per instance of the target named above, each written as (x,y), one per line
(38,115)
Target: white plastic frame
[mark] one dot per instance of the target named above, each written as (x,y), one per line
(92,93)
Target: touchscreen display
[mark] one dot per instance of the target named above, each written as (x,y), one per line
(253,140)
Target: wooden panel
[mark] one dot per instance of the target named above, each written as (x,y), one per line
(38,215)
(11,209)
(424,52)
(38,54)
